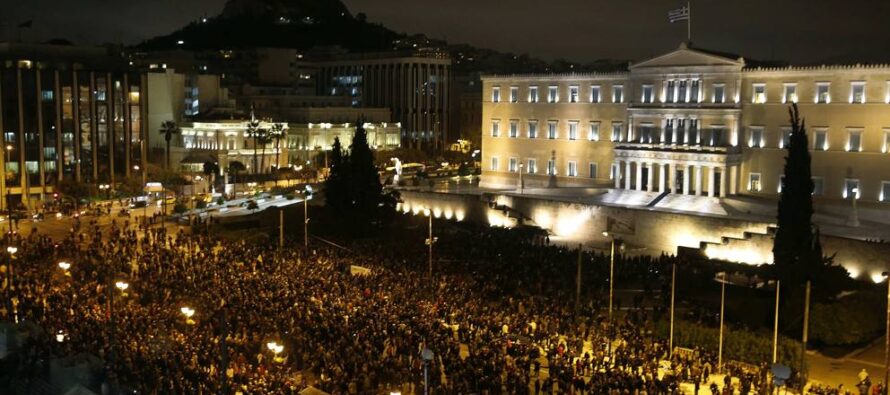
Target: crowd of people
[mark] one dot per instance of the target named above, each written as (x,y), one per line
(499,314)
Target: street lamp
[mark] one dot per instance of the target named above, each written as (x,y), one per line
(65,266)
(276,349)
(521,183)
(121,285)
(10,287)
(429,241)
(8,207)
(612,267)
(307,196)
(722,281)
(887,339)
(188,313)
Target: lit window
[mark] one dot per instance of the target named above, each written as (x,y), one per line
(754,182)
(823,95)
(670,91)
(818,186)
(885,191)
(719,93)
(514,128)
(595,94)
(496,94)
(647,94)
(573,169)
(785,138)
(854,140)
(618,94)
(755,137)
(857,92)
(591,170)
(551,167)
(820,140)
(851,188)
(693,91)
(789,95)
(573,94)
(682,96)
(886,145)
(573,130)
(513,165)
(593,133)
(532,129)
(759,94)
(781,183)
(553,94)
(494,163)
(533,94)
(532,166)
(551,130)
(616,131)
(514,94)
(495,128)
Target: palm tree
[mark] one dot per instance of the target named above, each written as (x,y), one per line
(264,138)
(168,129)
(253,131)
(279,132)
(236,167)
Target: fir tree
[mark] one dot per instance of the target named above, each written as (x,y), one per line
(365,189)
(796,250)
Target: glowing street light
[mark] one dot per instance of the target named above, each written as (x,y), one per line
(188,312)
(275,347)
(12,250)
(121,285)
(64,266)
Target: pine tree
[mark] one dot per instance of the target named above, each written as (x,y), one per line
(796,250)
(335,185)
(365,189)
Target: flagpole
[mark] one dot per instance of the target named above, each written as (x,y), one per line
(689,22)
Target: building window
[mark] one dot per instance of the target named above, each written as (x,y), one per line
(613,170)
(618,94)
(591,170)
(573,130)
(682,95)
(755,137)
(857,92)
(759,93)
(885,191)
(754,182)
(514,128)
(533,94)
(593,132)
(670,91)
(573,169)
(647,94)
(693,91)
(823,96)
(851,188)
(785,138)
(820,140)
(551,167)
(886,145)
(532,129)
(789,95)
(854,140)
(532,166)
(818,186)
(513,165)
(719,94)
(494,163)
(616,131)
(595,94)
(551,130)
(573,94)
(514,94)
(496,94)
(495,128)
(553,94)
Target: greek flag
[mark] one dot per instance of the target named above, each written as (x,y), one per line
(680,14)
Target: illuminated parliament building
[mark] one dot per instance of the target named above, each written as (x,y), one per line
(690,122)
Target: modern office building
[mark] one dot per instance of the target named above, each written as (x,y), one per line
(414,85)
(689,122)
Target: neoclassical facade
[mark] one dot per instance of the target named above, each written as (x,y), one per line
(690,122)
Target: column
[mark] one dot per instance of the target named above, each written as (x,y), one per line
(639,176)
(697,180)
(724,179)
(711,170)
(627,175)
(686,176)
(661,178)
(650,176)
(733,180)
(672,177)
(616,173)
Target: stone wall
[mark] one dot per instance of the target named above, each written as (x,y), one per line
(644,231)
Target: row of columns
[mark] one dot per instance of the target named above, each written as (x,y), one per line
(692,181)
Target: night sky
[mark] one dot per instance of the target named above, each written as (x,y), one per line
(582,30)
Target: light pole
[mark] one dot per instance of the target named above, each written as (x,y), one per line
(307,196)
(854,216)
(427,356)
(430,240)
(612,269)
(188,312)
(10,286)
(8,205)
(65,266)
(521,183)
(673,293)
(776,323)
(887,339)
(722,304)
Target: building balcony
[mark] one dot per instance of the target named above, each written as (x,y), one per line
(719,148)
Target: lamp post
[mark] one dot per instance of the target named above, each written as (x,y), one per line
(65,266)
(10,279)
(673,293)
(188,312)
(307,196)
(122,286)
(430,240)
(612,268)
(854,216)
(887,339)
(521,183)
(427,356)
(722,304)
(8,205)
(776,323)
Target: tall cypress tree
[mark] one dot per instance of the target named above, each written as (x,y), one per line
(796,250)
(365,188)
(336,194)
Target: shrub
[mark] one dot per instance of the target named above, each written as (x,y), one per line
(220,200)
(179,208)
(850,320)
